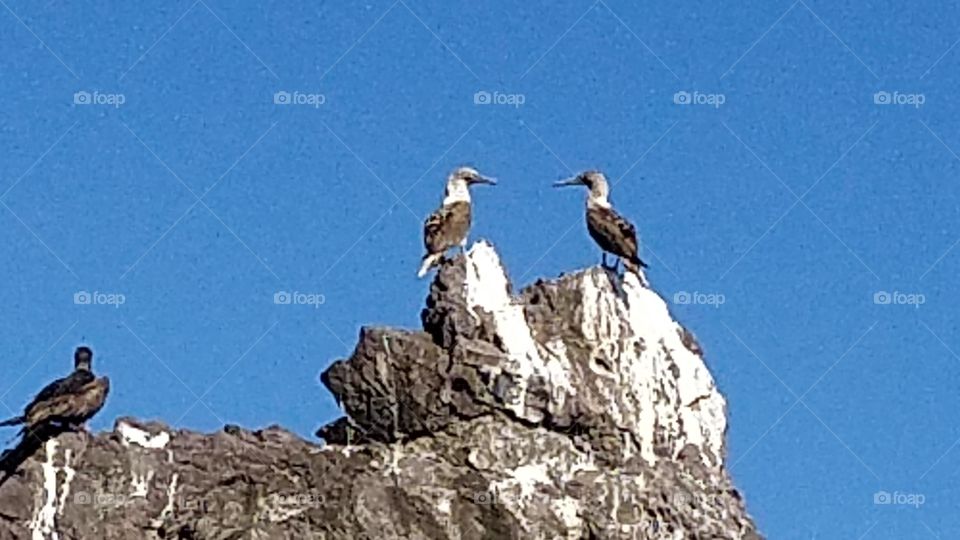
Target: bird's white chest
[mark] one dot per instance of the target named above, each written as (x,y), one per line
(456,192)
(597,202)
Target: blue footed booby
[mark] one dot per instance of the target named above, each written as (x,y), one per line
(449,225)
(611,231)
(69,401)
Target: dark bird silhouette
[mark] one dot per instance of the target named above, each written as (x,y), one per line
(69,401)
(449,225)
(611,231)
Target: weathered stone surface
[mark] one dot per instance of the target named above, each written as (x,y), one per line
(577,409)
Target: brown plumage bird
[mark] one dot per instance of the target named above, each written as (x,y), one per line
(69,401)
(449,225)
(611,231)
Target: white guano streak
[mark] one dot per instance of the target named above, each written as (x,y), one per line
(134,435)
(487,288)
(43,524)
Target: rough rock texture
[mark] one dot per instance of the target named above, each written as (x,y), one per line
(578,409)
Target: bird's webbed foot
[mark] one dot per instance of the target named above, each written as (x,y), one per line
(612,267)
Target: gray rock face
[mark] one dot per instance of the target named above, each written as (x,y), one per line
(577,409)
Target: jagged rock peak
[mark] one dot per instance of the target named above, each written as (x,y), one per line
(586,410)
(589,348)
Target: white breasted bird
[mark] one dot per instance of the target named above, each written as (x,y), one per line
(449,225)
(611,231)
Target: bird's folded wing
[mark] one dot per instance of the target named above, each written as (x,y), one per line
(629,233)
(81,401)
(69,384)
(446,227)
(614,233)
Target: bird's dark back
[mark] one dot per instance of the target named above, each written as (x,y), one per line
(447,227)
(612,232)
(70,384)
(76,407)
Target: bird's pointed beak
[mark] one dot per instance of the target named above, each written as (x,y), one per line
(483,180)
(572,181)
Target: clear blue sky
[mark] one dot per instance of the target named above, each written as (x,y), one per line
(781,185)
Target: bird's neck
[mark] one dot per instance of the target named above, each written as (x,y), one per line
(598,200)
(456,192)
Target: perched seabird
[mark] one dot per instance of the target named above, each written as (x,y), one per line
(69,401)
(609,229)
(448,226)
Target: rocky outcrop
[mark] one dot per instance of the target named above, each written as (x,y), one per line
(575,409)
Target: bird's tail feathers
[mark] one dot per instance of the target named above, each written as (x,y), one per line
(13,421)
(429,260)
(634,265)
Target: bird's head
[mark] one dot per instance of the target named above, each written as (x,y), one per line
(83,358)
(461,179)
(470,176)
(595,181)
